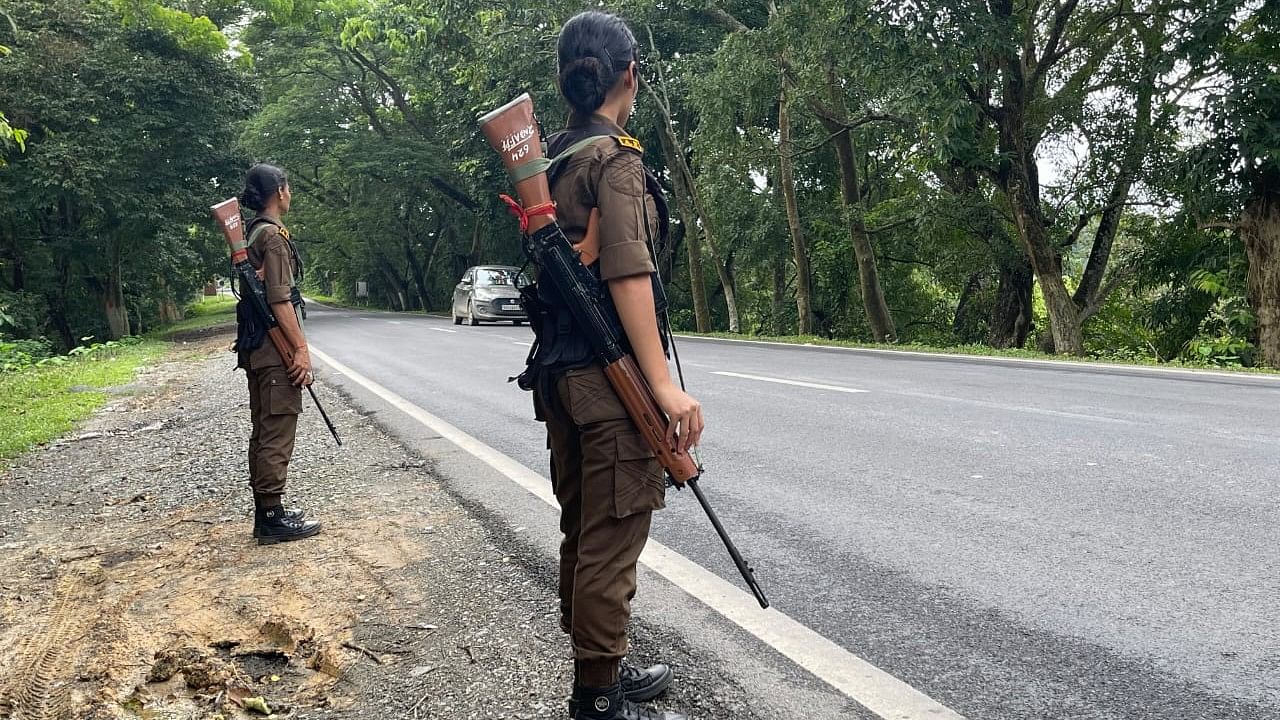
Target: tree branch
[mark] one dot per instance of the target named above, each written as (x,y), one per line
(983,103)
(892,226)
(729,22)
(1050,56)
(398,95)
(906,261)
(1102,45)
(1118,277)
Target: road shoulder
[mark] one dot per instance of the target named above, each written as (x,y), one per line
(132,584)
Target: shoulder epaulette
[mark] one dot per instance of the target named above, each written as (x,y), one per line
(629,143)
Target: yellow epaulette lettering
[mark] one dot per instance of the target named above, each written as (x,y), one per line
(629,143)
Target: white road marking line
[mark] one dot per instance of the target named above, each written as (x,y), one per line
(522,344)
(442,330)
(1064,364)
(394,322)
(781,381)
(866,684)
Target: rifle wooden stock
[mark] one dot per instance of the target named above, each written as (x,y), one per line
(637,397)
(281,343)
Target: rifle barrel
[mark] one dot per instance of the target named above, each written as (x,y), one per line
(332,430)
(748,574)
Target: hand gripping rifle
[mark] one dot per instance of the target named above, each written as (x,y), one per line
(227,215)
(513,132)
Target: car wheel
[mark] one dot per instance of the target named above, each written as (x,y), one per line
(457,319)
(471,315)
(517,323)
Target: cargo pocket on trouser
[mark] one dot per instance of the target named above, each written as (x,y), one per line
(590,398)
(639,482)
(283,397)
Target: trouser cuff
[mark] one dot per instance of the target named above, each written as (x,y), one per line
(598,673)
(263,501)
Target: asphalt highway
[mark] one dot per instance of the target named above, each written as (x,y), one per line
(1014,539)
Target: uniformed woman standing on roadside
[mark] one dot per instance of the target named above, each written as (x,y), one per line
(607,480)
(275,391)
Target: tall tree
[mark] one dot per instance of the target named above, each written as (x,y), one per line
(1234,182)
(131,109)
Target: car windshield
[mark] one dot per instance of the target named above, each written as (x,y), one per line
(498,277)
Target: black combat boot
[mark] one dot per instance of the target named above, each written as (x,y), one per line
(272,525)
(644,684)
(294,514)
(610,704)
(638,684)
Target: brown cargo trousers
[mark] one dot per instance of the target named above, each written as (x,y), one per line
(274,405)
(608,483)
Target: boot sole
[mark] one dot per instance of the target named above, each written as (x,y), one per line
(276,539)
(652,690)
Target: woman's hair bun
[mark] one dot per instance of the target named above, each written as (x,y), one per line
(594,50)
(261,180)
(585,82)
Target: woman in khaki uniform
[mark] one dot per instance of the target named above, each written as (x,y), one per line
(607,480)
(275,391)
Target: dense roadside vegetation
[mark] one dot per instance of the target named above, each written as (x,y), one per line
(43,395)
(1088,177)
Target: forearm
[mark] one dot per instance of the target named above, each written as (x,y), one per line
(633,297)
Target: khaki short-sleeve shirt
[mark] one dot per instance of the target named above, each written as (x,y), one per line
(610,177)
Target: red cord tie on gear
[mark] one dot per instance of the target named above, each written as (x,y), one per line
(546,208)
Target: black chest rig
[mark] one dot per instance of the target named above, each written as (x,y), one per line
(559,345)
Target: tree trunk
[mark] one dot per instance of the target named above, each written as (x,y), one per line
(1019,180)
(786,178)
(1011,316)
(682,175)
(963,322)
(1260,228)
(18,282)
(1087,293)
(730,275)
(779,295)
(879,318)
(1064,316)
(693,244)
(113,299)
(415,269)
(399,289)
(473,257)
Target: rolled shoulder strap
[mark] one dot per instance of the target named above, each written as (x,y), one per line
(533,167)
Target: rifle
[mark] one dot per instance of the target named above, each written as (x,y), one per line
(227,215)
(513,132)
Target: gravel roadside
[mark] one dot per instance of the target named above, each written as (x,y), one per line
(132,587)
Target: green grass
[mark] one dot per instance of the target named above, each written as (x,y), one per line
(39,404)
(981,351)
(201,314)
(338,302)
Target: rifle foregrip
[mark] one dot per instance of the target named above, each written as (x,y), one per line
(636,396)
(276,334)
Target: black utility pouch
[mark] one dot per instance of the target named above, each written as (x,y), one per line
(251,332)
